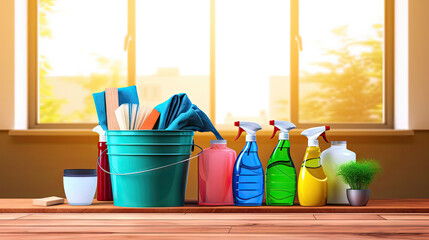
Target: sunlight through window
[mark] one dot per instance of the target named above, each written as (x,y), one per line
(341,65)
(80,51)
(340,78)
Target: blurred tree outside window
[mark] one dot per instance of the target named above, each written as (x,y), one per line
(341,65)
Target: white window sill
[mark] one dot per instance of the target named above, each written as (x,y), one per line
(225,133)
(52,132)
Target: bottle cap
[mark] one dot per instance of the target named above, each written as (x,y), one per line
(284,136)
(80,172)
(338,143)
(217,142)
(251,138)
(313,143)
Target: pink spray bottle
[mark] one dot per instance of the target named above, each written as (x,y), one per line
(215,166)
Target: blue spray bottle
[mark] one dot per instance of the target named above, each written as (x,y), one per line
(248,174)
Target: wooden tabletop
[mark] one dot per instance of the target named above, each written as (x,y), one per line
(374,206)
(189,226)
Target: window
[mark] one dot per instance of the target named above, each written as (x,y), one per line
(252,56)
(80,51)
(308,61)
(173,50)
(341,65)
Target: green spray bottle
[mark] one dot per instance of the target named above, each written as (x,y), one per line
(280,176)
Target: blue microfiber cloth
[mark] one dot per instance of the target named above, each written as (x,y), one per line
(125,95)
(178,113)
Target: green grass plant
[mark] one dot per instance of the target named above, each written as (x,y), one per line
(358,175)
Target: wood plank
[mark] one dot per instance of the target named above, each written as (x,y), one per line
(10,216)
(416,216)
(347,216)
(374,206)
(221,227)
(208,222)
(373,230)
(206,236)
(271,216)
(97,216)
(169,216)
(43,236)
(114,229)
(137,222)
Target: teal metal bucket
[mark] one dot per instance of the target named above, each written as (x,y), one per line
(149,168)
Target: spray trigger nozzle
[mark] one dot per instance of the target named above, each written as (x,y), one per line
(313,133)
(324,137)
(240,130)
(284,127)
(276,129)
(101,133)
(249,127)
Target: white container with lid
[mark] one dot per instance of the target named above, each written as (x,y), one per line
(331,158)
(80,185)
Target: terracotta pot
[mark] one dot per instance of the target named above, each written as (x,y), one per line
(358,197)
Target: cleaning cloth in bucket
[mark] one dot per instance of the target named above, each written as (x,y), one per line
(178,113)
(125,95)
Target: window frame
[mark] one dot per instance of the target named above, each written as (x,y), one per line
(388,76)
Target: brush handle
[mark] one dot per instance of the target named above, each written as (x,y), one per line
(112,103)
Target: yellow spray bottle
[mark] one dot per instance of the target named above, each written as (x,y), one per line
(312,181)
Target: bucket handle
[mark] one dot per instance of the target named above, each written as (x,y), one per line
(148,170)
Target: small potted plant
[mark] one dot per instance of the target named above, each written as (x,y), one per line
(358,175)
